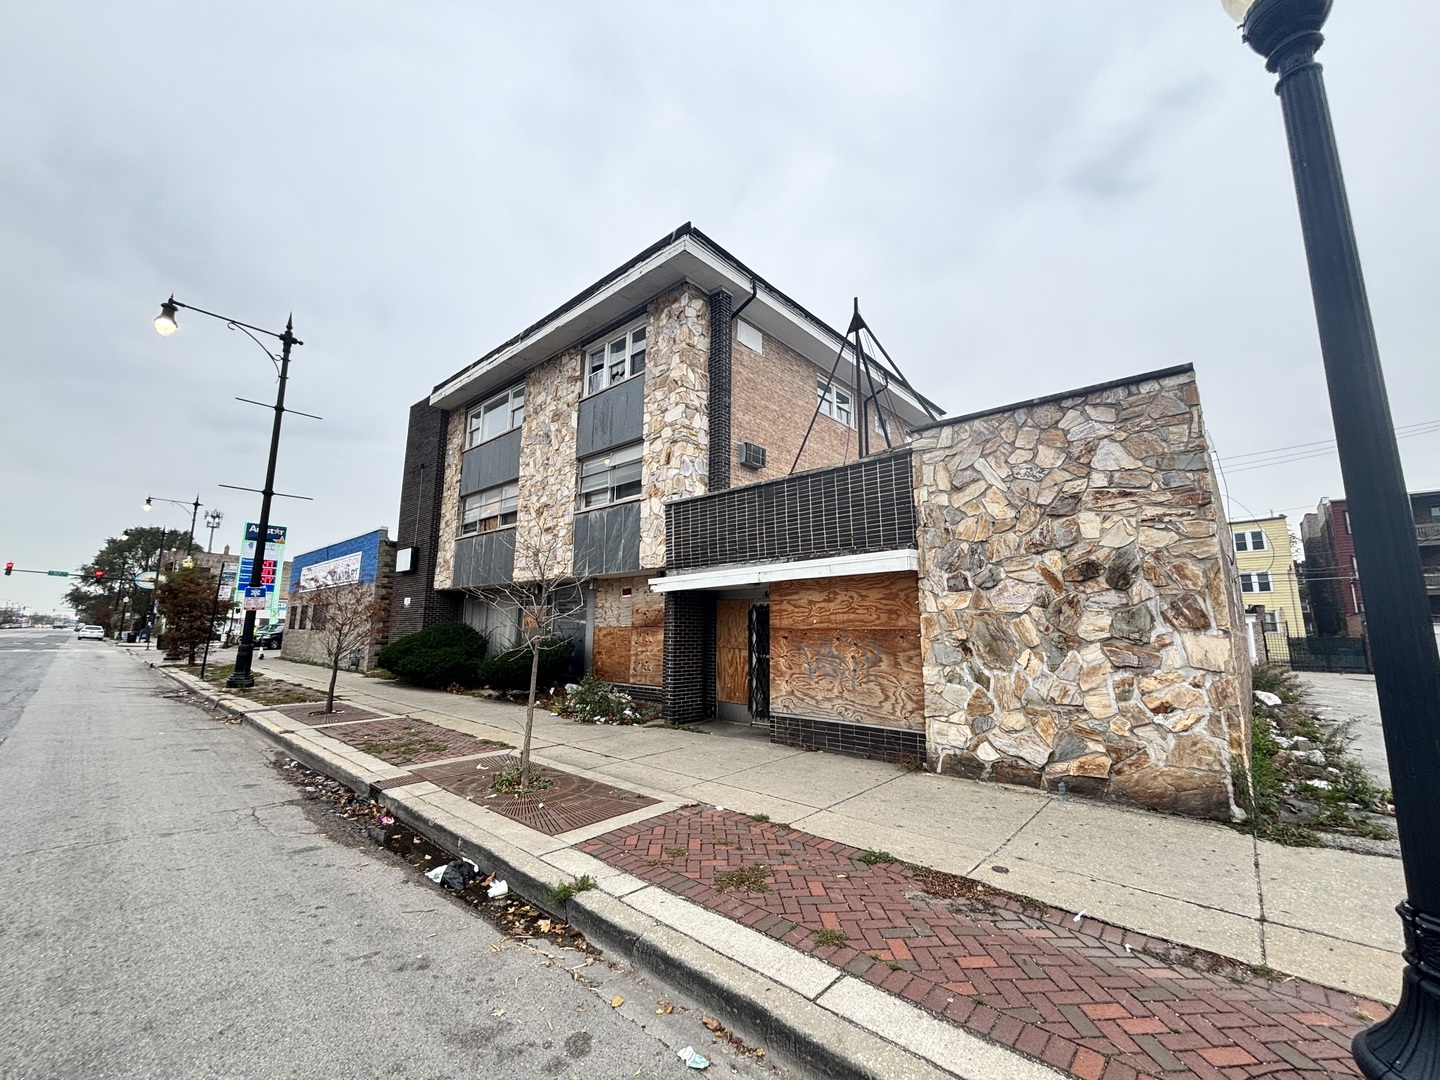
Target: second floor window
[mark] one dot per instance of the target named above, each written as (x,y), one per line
(489,510)
(614,360)
(500,414)
(1252,540)
(835,402)
(1256,582)
(610,477)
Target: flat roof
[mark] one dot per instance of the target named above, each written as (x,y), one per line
(684,254)
(1179,369)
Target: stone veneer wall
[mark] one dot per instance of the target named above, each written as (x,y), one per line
(1077,605)
(545,514)
(677,432)
(450,501)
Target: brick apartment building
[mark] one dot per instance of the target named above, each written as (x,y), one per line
(1040,593)
(1333,574)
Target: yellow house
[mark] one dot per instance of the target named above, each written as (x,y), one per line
(1267,572)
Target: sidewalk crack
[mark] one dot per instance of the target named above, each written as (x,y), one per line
(1260,897)
(1023,826)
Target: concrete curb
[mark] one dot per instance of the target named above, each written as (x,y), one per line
(841,1028)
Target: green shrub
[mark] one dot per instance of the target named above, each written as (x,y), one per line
(437,657)
(510,670)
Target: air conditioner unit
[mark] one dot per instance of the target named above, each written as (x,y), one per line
(752,456)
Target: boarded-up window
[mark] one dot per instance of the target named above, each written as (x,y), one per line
(847,649)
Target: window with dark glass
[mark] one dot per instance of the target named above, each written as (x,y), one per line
(610,477)
(489,510)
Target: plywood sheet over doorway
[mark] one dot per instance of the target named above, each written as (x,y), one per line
(732,651)
(848,649)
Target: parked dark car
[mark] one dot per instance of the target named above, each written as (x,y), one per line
(269,639)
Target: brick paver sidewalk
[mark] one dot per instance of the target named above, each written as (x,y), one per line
(1085,997)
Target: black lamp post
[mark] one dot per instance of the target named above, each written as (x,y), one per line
(150,501)
(166,323)
(1407,669)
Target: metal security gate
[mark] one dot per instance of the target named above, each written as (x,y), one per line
(759,663)
(1341,654)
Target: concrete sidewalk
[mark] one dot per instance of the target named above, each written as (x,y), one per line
(1321,915)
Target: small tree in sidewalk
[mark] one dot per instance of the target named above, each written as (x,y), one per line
(343,619)
(543,595)
(186,598)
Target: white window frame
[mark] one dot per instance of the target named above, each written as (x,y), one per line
(1256,581)
(1251,540)
(603,477)
(1273,623)
(508,406)
(490,510)
(615,357)
(835,402)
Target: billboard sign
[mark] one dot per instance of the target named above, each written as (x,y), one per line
(344,570)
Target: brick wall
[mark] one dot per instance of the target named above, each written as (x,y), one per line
(772,401)
(689,692)
(415,604)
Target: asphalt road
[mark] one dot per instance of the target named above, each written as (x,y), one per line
(1351,699)
(170,909)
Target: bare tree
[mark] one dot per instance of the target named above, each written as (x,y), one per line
(543,595)
(343,618)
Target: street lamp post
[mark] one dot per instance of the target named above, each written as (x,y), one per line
(150,500)
(166,324)
(155,585)
(1407,670)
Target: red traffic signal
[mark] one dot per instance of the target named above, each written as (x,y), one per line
(99,576)
(9,568)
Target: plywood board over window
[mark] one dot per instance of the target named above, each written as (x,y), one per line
(848,649)
(629,632)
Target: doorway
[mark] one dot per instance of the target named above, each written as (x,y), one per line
(742,660)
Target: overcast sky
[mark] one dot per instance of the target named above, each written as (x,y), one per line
(1025,197)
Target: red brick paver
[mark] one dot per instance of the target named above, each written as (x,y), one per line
(1094,1000)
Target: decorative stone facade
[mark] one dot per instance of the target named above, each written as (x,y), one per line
(545,513)
(450,501)
(677,432)
(1080,620)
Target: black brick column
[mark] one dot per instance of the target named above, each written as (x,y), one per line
(720,369)
(689,658)
(419,526)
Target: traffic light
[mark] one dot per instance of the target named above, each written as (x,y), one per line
(9,568)
(99,577)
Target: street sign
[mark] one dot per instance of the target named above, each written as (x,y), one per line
(146,580)
(257,599)
(58,573)
(225,592)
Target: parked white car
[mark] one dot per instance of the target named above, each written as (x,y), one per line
(90,632)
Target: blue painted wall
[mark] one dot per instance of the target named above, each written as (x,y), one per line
(368,546)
